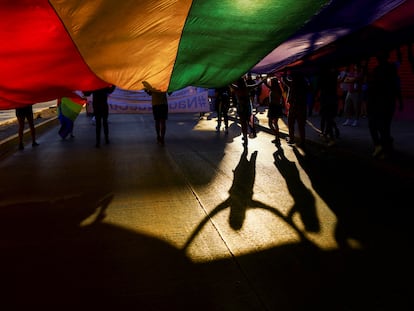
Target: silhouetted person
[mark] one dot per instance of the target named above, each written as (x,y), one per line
(297,100)
(22,114)
(276,105)
(68,110)
(101,111)
(242,92)
(328,98)
(353,82)
(160,112)
(222,105)
(381,104)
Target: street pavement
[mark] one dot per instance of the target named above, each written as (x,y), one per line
(202,223)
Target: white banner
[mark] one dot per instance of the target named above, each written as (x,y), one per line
(189,99)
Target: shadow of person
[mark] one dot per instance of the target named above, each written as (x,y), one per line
(304,201)
(53,260)
(241,191)
(241,198)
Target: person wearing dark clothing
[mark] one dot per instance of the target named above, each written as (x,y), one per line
(276,105)
(381,104)
(328,98)
(298,86)
(244,107)
(160,112)
(222,105)
(101,111)
(22,114)
(253,88)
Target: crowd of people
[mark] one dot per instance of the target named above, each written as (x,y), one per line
(292,93)
(352,92)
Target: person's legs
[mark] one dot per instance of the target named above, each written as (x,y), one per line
(355,108)
(71,130)
(105,128)
(374,132)
(98,125)
(329,128)
(226,119)
(252,126)
(347,108)
(157,129)
(219,112)
(21,119)
(335,127)
(291,127)
(301,119)
(163,129)
(32,129)
(244,123)
(155,114)
(385,132)
(274,126)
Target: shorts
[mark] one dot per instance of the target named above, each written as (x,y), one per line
(160,112)
(24,112)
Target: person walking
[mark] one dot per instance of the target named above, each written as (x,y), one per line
(298,86)
(69,108)
(22,114)
(244,107)
(159,103)
(381,104)
(353,83)
(222,104)
(328,98)
(251,83)
(276,105)
(101,112)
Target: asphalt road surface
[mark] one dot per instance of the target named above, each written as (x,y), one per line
(200,223)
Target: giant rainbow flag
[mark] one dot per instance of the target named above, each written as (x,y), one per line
(51,48)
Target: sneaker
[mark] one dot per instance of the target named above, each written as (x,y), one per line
(35,144)
(21,147)
(355,123)
(347,122)
(377,151)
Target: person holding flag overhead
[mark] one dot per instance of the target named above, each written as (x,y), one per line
(101,111)
(68,110)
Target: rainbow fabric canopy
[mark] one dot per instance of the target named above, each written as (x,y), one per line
(51,48)
(345,31)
